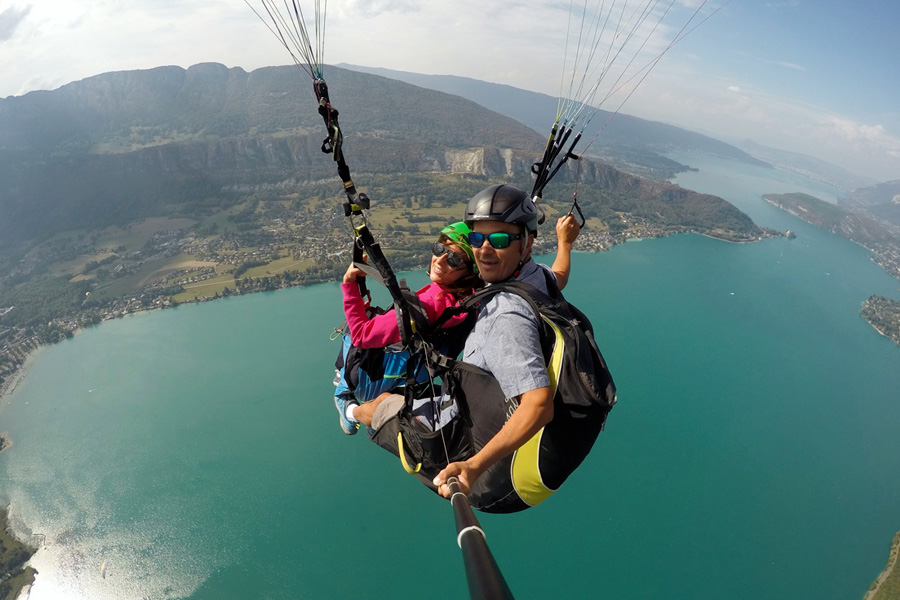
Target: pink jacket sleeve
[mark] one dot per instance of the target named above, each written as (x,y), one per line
(382,330)
(377,332)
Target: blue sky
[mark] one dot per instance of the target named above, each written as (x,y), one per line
(819,77)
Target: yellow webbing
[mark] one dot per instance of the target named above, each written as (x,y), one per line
(403,462)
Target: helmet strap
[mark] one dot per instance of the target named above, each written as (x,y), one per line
(522,259)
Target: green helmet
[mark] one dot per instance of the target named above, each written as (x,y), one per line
(459,235)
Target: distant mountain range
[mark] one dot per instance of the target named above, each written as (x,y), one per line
(882,193)
(115,113)
(148,188)
(627,142)
(127,145)
(809,167)
(881,201)
(876,232)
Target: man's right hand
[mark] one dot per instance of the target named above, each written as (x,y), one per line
(465,473)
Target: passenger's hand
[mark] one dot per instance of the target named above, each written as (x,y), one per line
(567,228)
(463,472)
(353,274)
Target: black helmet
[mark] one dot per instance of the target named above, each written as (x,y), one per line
(503,203)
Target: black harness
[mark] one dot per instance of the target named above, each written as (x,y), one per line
(358,202)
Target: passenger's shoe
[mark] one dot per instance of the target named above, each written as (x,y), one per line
(341,402)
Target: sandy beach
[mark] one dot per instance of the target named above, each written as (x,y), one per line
(10,384)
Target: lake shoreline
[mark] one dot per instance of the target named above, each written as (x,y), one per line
(593,247)
(15,378)
(888,576)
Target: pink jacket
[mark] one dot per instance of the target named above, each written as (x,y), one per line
(382,330)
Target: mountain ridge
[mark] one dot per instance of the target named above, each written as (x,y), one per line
(807,166)
(641,141)
(631,143)
(210,125)
(133,144)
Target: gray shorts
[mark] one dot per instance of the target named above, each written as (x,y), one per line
(388,408)
(423,410)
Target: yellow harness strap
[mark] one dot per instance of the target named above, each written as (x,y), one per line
(525,469)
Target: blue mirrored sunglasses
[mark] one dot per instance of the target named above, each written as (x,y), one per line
(454,260)
(497,240)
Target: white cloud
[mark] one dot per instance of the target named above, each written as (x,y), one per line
(371,8)
(856,132)
(682,94)
(508,41)
(872,142)
(517,42)
(734,112)
(790,65)
(10,19)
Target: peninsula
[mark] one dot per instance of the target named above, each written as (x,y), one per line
(879,238)
(884,315)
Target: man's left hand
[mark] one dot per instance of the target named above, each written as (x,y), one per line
(567,229)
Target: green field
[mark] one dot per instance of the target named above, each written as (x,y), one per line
(205,289)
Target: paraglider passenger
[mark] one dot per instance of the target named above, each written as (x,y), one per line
(453,277)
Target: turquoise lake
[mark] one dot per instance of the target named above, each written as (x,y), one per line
(754,452)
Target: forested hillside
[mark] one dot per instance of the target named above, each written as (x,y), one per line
(134,144)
